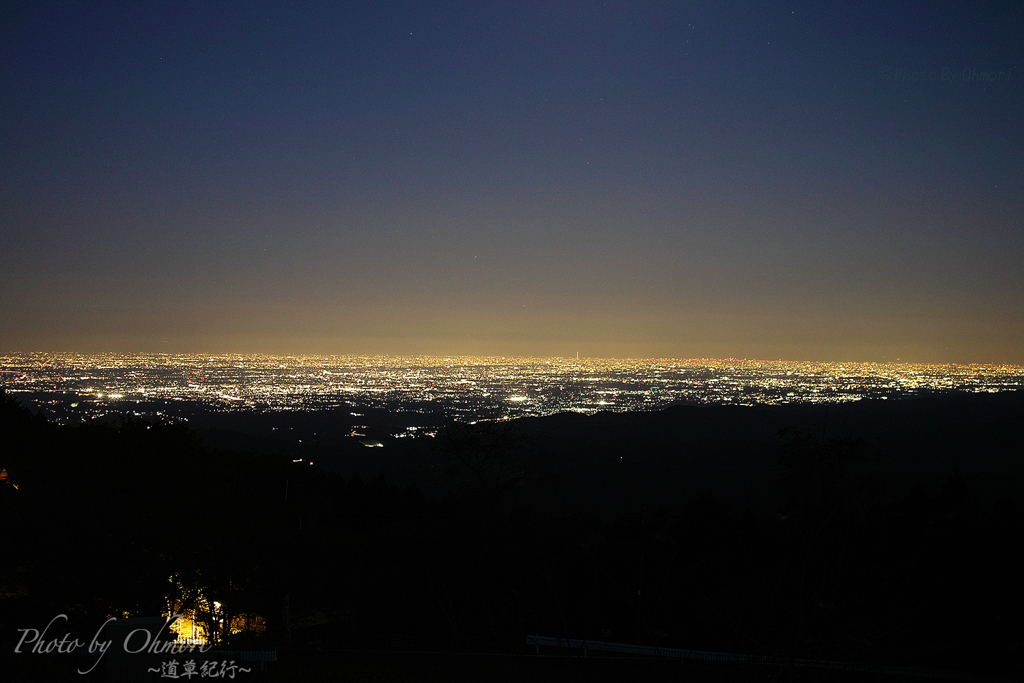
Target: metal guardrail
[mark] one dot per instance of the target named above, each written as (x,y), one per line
(237,655)
(707,656)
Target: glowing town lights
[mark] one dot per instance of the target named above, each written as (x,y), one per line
(464,389)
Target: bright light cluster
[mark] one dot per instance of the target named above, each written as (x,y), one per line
(471,387)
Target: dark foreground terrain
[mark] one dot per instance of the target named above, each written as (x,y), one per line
(883,533)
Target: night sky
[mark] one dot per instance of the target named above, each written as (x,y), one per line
(619,179)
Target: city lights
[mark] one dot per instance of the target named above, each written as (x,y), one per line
(470,388)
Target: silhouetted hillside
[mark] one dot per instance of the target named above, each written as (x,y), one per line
(630,528)
(611,463)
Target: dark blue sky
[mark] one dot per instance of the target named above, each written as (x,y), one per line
(755,180)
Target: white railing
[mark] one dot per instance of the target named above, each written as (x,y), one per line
(707,656)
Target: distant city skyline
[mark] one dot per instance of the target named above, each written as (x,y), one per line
(924,353)
(653,179)
(72,387)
